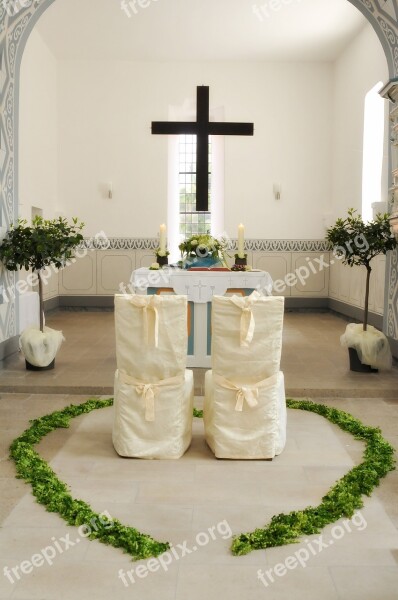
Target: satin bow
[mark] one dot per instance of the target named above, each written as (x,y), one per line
(148,393)
(247,322)
(148,303)
(149,390)
(246,393)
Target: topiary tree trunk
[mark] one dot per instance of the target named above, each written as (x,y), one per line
(41,301)
(366,312)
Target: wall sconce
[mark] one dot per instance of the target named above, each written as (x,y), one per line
(277,191)
(110,190)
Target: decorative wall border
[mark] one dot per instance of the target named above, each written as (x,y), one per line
(120,243)
(14,32)
(253,245)
(284,245)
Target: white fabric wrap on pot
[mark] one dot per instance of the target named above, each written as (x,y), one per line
(151,335)
(372,345)
(153,421)
(245,422)
(40,348)
(247,336)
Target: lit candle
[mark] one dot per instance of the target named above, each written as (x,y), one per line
(241,241)
(162,240)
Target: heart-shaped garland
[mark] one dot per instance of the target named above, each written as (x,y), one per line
(342,500)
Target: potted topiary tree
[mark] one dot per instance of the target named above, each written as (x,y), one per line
(356,243)
(39,246)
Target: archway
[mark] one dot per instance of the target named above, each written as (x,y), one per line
(15,27)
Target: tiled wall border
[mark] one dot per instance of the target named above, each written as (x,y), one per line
(253,245)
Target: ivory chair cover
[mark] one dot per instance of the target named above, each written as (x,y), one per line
(245,405)
(247,336)
(151,335)
(153,390)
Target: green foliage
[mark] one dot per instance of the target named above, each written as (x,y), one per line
(356,242)
(40,245)
(202,246)
(342,500)
(54,494)
(198,413)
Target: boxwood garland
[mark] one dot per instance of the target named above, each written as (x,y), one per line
(54,494)
(342,500)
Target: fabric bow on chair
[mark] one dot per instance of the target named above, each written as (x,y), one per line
(247,322)
(148,391)
(246,393)
(149,304)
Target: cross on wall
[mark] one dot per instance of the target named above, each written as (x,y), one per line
(202,128)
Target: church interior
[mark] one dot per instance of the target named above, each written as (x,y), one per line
(202,196)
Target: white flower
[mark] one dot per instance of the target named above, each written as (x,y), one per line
(155,266)
(194,243)
(161,253)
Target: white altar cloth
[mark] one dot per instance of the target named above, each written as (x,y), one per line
(200,287)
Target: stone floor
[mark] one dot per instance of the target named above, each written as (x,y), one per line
(179,501)
(313,361)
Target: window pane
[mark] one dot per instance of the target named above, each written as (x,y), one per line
(191,222)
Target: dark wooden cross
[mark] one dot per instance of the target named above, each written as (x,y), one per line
(202,128)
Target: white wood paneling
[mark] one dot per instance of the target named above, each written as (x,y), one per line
(114,267)
(278,265)
(80,278)
(51,284)
(357,277)
(348,284)
(144,258)
(312,272)
(334,273)
(102,271)
(344,282)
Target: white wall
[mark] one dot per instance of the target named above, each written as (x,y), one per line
(105,114)
(358,69)
(308,121)
(38,145)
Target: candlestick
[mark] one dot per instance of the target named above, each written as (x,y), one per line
(241,241)
(162,240)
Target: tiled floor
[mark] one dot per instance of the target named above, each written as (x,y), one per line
(313,361)
(177,500)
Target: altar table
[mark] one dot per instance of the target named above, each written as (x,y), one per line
(200,287)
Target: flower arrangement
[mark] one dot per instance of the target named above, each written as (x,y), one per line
(162,253)
(203,249)
(161,258)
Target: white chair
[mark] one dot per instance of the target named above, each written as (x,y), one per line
(245,404)
(154,392)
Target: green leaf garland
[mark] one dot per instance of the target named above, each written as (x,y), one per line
(342,500)
(54,494)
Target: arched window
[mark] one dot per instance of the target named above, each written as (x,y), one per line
(373,145)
